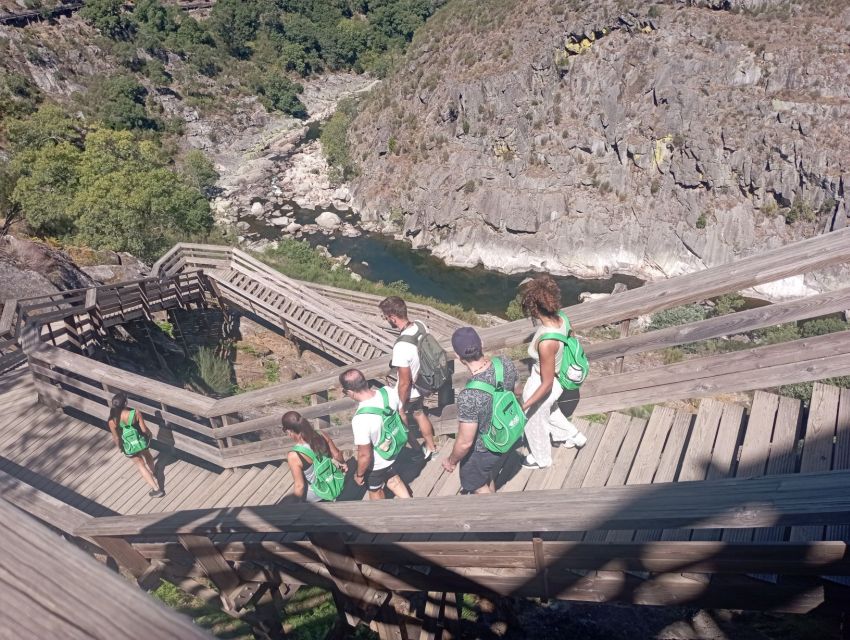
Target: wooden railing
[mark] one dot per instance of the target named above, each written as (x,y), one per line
(355,545)
(215,431)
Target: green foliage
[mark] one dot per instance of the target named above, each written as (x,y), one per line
(108,189)
(214,373)
(272,371)
(18,95)
(822,326)
(166,327)
(800,210)
(672,355)
(777,334)
(676,316)
(276,91)
(119,103)
(334,139)
(728,303)
(108,17)
(299,260)
(199,171)
(702,221)
(514,310)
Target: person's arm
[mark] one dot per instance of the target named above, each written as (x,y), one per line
(364,462)
(113,429)
(547,349)
(336,454)
(143,427)
(405,385)
(296,467)
(466,432)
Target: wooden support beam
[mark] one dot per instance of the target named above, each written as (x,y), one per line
(125,555)
(346,574)
(215,567)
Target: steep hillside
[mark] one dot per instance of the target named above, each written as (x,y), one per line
(590,137)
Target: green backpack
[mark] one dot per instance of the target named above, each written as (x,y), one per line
(574,364)
(132,440)
(329,479)
(393,431)
(507,421)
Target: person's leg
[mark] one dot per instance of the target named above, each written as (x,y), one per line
(417,407)
(537,428)
(148,458)
(145,472)
(561,429)
(376,494)
(397,486)
(476,472)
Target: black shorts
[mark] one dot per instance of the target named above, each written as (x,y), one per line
(479,468)
(416,405)
(377,480)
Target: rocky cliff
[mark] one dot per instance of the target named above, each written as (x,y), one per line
(597,137)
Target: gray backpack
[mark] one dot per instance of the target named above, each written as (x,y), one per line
(433,362)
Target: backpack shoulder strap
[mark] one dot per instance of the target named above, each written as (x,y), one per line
(307,452)
(478,385)
(557,335)
(377,411)
(499,371)
(413,338)
(131,419)
(385,398)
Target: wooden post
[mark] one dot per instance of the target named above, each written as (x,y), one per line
(320,397)
(624,326)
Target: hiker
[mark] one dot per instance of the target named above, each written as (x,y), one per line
(132,437)
(490,420)
(317,466)
(379,435)
(422,367)
(542,395)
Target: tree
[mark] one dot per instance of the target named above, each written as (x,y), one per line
(279,92)
(119,102)
(108,17)
(46,126)
(45,188)
(235,22)
(199,171)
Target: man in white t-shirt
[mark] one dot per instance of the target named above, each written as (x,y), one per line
(378,471)
(406,359)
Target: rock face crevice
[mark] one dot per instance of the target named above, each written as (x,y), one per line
(591,140)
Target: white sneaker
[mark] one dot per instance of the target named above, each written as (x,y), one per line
(531,463)
(576,442)
(427,453)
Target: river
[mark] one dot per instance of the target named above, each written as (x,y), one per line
(380,257)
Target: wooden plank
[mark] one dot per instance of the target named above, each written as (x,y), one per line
(60,592)
(215,567)
(841,458)
(771,501)
(817,445)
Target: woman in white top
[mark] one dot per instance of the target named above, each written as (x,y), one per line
(541,301)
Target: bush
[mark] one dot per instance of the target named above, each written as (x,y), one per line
(334,139)
(119,102)
(279,92)
(728,303)
(822,326)
(199,171)
(213,373)
(514,310)
(775,335)
(108,17)
(677,316)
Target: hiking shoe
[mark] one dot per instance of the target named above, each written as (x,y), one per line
(577,442)
(531,463)
(156,493)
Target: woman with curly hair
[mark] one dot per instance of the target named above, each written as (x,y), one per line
(541,301)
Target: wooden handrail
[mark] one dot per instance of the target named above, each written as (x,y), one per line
(781,500)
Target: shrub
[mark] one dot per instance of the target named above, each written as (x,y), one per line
(334,139)
(677,316)
(514,310)
(822,326)
(702,221)
(108,17)
(777,334)
(279,92)
(199,171)
(728,303)
(119,102)
(213,373)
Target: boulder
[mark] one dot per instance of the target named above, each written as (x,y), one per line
(293,228)
(281,221)
(328,220)
(257,209)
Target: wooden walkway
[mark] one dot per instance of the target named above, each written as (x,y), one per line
(75,461)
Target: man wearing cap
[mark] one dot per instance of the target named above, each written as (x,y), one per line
(478,465)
